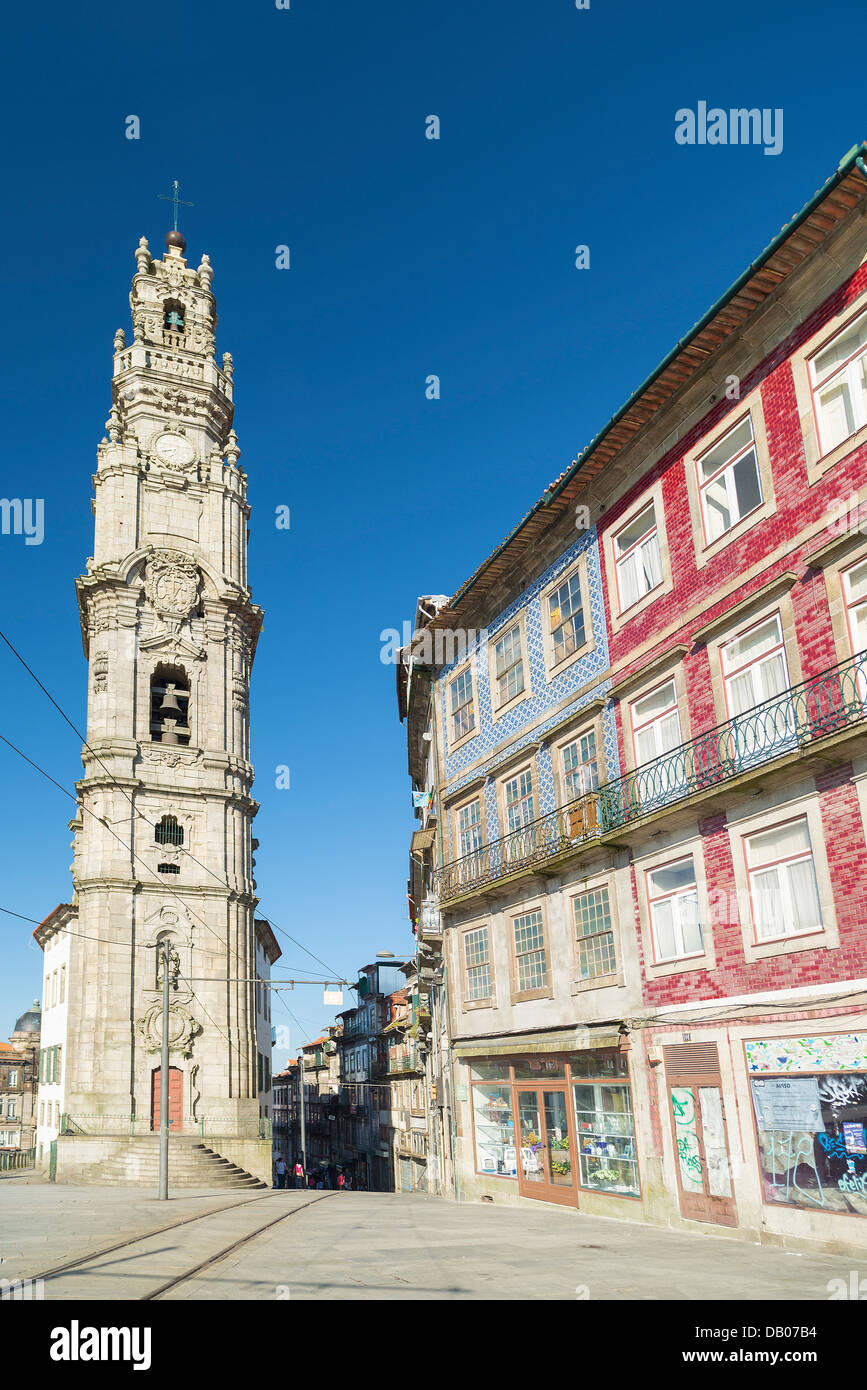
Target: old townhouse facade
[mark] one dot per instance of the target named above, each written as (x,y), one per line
(651,784)
(19,1071)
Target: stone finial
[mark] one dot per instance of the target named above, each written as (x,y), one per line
(119,340)
(113,426)
(143,256)
(205,273)
(233,453)
(229,366)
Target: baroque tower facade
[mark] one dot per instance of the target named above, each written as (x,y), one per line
(163,836)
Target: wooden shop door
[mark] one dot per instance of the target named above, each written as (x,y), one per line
(701,1150)
(546,1147)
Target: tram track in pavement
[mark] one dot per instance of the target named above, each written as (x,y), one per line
(81,1265)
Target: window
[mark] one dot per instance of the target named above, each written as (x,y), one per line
(820,1163)
(855,596)
(11,1108)
(518,793)
(782,878)
(674,915)
(607,1159)
(509,666)
(754,666)
(565,609)
(173,316)
(637,558)
(595,939)
(168,832)
(168,868)
(13,1078)
(838,378)
(463,710)
(170,705)
(729,482)
(531,967)
(656,724)
(580,767)
(477,961)
(62,983)
(470,827)
(494,1128)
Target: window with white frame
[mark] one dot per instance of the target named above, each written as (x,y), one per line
(595,938)
(729,481)
(62,983)
(637,557)
(462,705)
(470,827)
(477,963)
(855,596)
(518,797)
(672,897)
(656,723)
(531,965)
(565,611)
(11,1108)
(13,1078)
(754,666)
(580,766)
(509,666)
(782,877)
(838,377)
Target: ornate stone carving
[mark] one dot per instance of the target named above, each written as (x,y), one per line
(183,1028)
(170,755)
(195,1093)
(172,583)
(239,693)
(100,673)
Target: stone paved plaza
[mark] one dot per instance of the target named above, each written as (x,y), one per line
(369,1246)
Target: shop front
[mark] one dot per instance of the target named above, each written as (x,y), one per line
(809,1102)
(556,1125)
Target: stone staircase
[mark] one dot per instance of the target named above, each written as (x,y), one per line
(191,1164)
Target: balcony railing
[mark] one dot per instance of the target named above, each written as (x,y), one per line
(397,1064)
(795,720)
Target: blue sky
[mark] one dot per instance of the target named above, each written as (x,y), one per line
(306,127)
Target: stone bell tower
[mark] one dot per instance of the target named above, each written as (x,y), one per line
(163,836)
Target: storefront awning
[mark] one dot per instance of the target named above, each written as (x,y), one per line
(568,1040)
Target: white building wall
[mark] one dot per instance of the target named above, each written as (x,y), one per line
(55,996)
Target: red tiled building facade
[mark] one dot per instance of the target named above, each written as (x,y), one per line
(729,500)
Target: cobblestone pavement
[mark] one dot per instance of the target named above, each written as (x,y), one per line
(358,1245)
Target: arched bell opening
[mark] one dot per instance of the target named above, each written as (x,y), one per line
(170,705)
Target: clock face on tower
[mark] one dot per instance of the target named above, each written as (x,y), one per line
(173,450)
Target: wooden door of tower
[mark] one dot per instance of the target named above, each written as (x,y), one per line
(176,1098)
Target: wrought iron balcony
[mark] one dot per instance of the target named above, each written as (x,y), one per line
(796,720)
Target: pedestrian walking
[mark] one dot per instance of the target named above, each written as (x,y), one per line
(280,1173)
(341,1182)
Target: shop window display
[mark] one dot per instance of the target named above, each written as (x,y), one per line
(812,1138)
(495,1131)
(606,1138)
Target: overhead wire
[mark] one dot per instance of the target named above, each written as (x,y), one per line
(140,814)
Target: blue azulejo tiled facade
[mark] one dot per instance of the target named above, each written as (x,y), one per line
(548,703)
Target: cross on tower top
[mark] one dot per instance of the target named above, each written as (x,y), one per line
(175,200)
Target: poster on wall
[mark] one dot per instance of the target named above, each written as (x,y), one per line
(854,1138)
(788,1102)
